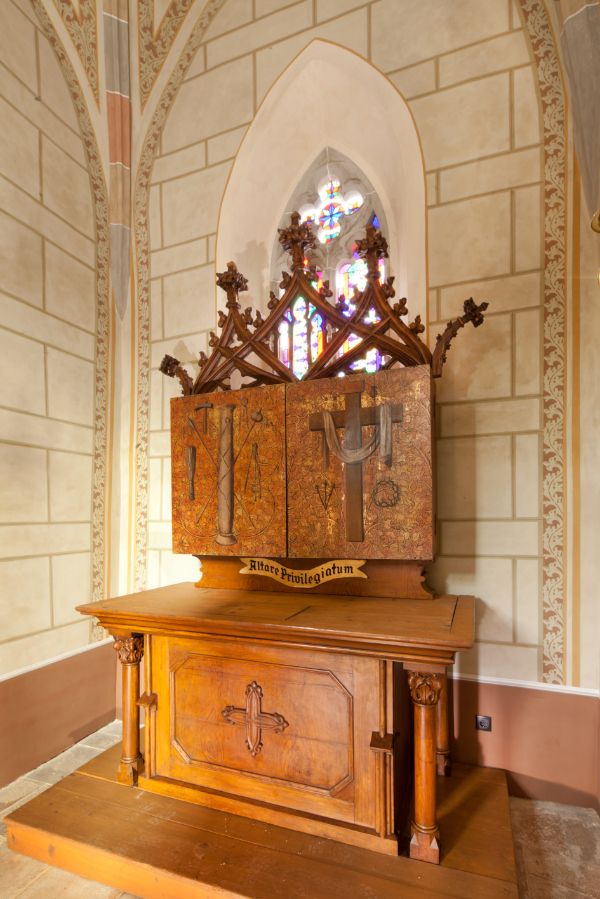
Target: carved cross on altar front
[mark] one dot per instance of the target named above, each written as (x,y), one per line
(353,419)
(254,718)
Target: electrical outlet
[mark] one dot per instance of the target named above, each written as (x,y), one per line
(483,722)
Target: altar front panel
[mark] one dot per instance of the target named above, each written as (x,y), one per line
(284,726)
(381,507)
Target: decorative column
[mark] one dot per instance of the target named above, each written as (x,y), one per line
(130,649)
(425,691)
(442,753)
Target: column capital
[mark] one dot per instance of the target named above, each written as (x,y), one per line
(130,649)
(424,687)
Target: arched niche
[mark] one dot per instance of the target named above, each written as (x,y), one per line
(326,96)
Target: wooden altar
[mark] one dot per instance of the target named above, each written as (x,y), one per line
(288,708)
(303,681)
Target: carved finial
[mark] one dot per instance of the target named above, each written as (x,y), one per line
(212,339)
(272,300)
(296,240)
(400,307)
(387,288)
(222,318)
(232,282)
(324,291)
(202,359)
(285,280)
(311,271)
(472,313)
(372,248)
(258,319)
(247,316)
(342,305)
(417,327)
(169,366)
(172,368)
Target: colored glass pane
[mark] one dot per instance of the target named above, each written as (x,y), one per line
(316,337)
(354,275)
(353,202)
(284,343)
(332,209)
(299,338)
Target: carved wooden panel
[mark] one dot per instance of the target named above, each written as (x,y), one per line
(306,732)
(360,466)
(300,741)
(228,472)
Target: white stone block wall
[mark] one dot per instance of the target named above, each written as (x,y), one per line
(47,347)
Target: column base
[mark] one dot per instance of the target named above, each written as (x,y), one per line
(443,764)
(425,846)
(129,770)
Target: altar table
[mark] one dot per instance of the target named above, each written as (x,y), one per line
(291,707)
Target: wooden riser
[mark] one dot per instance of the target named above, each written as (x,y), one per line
(157,847)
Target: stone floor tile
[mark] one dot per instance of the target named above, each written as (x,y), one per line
(74,758)
(115,727)
(17,872)
(560,844)
(540,888)
(100,740)
(47,774)
(55,883)
(18,789)
(38,788)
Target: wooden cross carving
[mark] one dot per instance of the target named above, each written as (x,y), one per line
(254,718)
(353,419)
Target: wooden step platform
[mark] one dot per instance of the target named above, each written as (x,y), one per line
(162,848)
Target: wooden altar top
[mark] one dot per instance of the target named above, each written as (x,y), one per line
(395,628)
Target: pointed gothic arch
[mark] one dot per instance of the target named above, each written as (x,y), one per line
(328,96)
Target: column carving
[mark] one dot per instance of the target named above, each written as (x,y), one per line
(425,690)
(130,651)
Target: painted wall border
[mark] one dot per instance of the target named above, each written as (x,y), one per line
(100,200)
(82,26)
(140,230)
(155,39)
(551,93)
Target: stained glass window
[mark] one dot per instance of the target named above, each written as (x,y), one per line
(339,201)
(331,209)
(349,276)
(304,329)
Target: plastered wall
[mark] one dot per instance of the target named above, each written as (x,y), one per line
(469,76)
(48,332)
